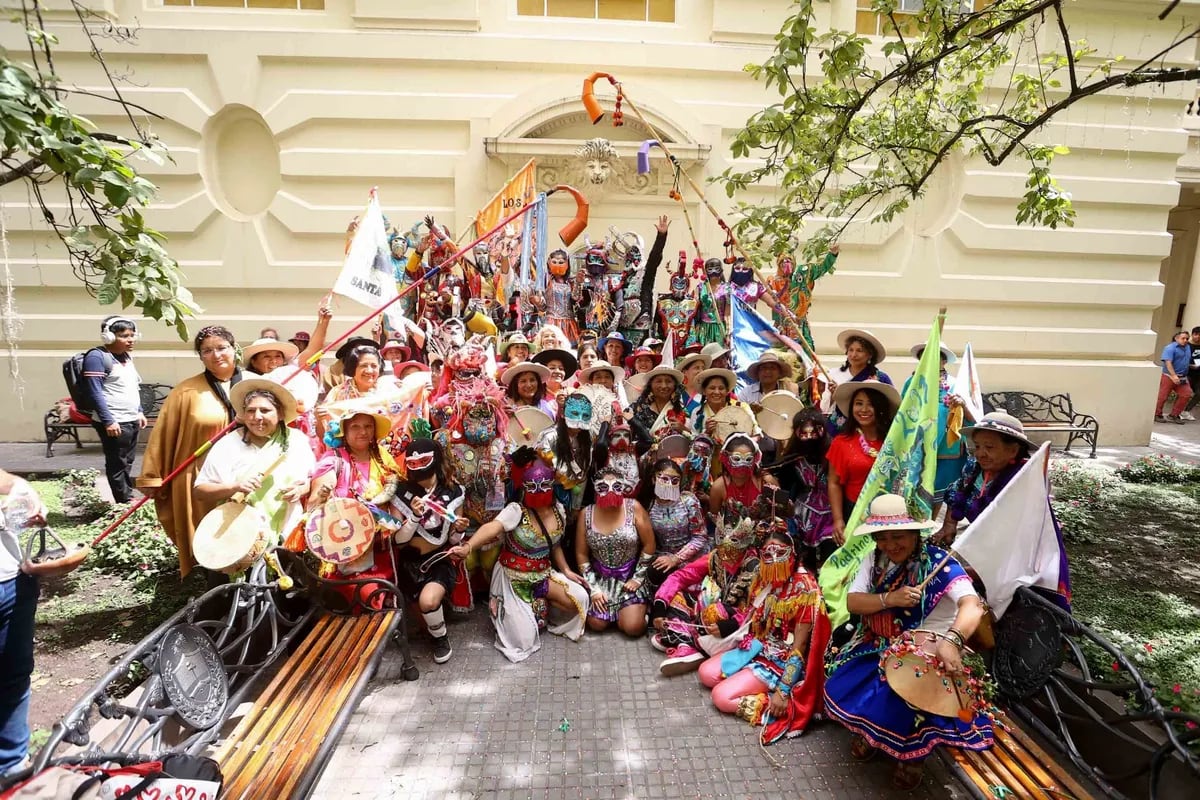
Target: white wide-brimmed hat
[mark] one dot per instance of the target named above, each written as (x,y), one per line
(513,370)
(618,374)
(880,350)
(845,391)
(917,349)
(717,372)
(237,396)
(288,349)
(888,512)
(769,357)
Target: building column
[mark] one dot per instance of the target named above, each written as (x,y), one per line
(842,15)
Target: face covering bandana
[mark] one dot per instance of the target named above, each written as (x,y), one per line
(741,277)
(666,487)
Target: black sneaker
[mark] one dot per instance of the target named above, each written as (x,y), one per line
(442,650)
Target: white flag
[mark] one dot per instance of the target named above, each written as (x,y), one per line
(668,351)
(967,385)
(367,275)
(1013,543)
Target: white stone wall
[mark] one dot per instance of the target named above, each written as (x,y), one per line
(279,123)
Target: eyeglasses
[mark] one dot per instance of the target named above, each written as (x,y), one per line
(544,485)
(214,351)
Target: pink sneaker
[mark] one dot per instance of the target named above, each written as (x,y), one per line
(657,643)
(681,659)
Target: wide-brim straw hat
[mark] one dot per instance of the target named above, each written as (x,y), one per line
(845,392)
(683,362)
(888,512)
(769,357)
(880,350)
(383,423)
(643,351)
(1003,424)
(717,372)
(513,370)
(714,350)
(288,349)
(917,349)
(237,396)
(618,374)
(516,338)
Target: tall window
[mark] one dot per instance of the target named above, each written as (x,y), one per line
(872,24)
(291,5)
(637,10)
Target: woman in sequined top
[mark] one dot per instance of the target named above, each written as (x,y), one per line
(614,547)
(676,519)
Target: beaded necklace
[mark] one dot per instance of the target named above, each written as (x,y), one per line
(871,452)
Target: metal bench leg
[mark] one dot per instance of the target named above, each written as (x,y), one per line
(408,670)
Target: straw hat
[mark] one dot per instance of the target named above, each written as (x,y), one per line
(917,349)
(1003,424)
(683,362)
(726,374)
(237,396)
(512,371)
(714,350)
(646,377)
(394,344)
(383,424)
(288,349)
(569,362)
(602,366)
(769,357)
(516,338)
(845,391)
(888,512)
(880,350)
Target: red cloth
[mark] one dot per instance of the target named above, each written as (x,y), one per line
(852,465)
(808,698)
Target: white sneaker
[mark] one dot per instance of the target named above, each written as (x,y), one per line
(1188,416)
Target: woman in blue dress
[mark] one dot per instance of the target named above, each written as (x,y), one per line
(891,597)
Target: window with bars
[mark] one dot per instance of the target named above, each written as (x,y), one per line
(635,10)
(871,24)
(288,5)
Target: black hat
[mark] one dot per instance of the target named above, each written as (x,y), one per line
(350,344)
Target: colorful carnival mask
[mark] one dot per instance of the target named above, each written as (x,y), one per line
(455,332)
(679,286)
(777,560)
(620,437)
(633,258)
(666,486)
(479,426)
(421,459)
(466,363)
(714,269)
(577,411)
(740,463)
(558,263)
(611,491)
(734,539)
(699,457)
(538,484)
(741,274)
(785,265)
(596,261)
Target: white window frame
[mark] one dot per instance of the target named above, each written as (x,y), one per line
(596,14)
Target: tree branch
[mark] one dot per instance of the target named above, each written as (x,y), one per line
(25,170)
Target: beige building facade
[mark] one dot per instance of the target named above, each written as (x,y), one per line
(280,115)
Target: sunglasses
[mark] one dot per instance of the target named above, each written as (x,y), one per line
(467,374)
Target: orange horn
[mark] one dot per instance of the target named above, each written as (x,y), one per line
(590,103)
(570,232)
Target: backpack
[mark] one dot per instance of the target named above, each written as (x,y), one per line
(72,370)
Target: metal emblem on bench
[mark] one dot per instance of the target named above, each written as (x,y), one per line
(1028,649)
(193,676)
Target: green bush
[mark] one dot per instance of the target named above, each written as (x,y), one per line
(82,499)
(139,546)
(1159,469)
(1093,488)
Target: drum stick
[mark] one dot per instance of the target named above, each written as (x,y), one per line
(204,448)
(240,497)
(933,572)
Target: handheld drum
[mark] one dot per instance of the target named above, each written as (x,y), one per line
(674,446)
(730,420)
(58,558)
(779,410)
(340,531)
(913,671)
(525,424)
(231,537)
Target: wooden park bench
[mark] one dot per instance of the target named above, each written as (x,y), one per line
(56,427)
(286,671)
(1053,414)
(1108,724)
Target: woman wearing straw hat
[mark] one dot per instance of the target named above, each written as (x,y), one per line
(1001,448)
(868,408)
(770,373)
(236,463)
(525,385)
(864,353)
(906,585)
(264,355)
(658,408)
(716,389)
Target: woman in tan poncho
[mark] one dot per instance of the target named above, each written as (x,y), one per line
(194,410)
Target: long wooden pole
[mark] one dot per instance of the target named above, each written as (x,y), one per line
(204,448)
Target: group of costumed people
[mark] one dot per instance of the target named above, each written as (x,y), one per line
(535,454)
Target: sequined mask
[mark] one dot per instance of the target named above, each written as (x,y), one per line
(577,411)
(611,492)
(479,426)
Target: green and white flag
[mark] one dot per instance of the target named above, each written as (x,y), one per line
(905,466)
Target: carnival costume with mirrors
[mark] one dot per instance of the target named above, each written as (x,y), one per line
(677,309)
(599,294)
(708,324)
(559,294)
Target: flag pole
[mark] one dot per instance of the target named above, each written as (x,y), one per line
(596,113)
(581,210)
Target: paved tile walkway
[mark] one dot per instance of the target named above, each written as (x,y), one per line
(480,728)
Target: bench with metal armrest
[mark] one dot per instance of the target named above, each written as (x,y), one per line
(1046,414)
